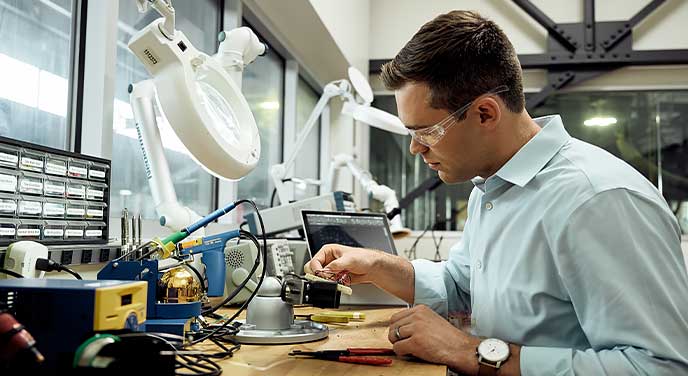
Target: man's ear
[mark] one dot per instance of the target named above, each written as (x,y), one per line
(489,111)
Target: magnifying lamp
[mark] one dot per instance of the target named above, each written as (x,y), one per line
(358,110)
(200,96)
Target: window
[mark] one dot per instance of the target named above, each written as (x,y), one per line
(263,87)
(34,82)
(307,164)
(392,164)
(647,129)
(194,187)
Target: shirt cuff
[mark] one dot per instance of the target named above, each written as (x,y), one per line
(429,285)
(545,361)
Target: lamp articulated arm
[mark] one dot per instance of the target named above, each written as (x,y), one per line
(340,88)
(172,214)
(382,193)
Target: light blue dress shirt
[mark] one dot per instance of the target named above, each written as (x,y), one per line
(571,253)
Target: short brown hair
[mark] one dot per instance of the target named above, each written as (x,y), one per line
(460,55)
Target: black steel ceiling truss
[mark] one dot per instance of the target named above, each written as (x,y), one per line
(579,51)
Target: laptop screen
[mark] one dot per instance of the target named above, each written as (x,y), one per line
(366,230)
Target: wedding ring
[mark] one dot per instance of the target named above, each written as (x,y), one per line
(397,334)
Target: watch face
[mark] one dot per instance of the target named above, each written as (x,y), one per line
(493,350)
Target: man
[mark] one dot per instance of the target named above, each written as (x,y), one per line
(570,261)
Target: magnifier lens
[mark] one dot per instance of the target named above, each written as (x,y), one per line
(219,112)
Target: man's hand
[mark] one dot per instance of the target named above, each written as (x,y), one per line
(391,273)
(359,262)
(427,335)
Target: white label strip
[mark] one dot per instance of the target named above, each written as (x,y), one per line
(56,169)
(94,233)
(30,207)
(76,191)
(8,183)
(94,193)
(78,171)
(6,231)
(32,163)
(76,212)
(8,206)
(94,213)
(97,174)
(9,158)
(74,233)
(53,210)
(53,232)
(55,189)
(30,186)
(29,232)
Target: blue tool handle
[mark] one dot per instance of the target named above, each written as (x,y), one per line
(215,270)
(209,218)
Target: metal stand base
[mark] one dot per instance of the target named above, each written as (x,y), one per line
(300,331)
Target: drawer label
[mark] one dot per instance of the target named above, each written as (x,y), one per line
(97,174)
(94,233)
(30,207)
(77,171)
(78,212)
(53,210)
(30,186)
(53,232)
(98,213)
(9,159)
(8,183)
(54,188)
(33,164)
(74,233)
(76,192)
(29,232)
(55,169)
(8,206)
(7,231)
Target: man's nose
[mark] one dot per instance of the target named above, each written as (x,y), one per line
(416,147)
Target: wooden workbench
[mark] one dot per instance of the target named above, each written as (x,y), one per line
(273,359)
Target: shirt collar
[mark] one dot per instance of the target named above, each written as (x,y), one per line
(534,155)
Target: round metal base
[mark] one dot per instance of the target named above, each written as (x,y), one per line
(300,331)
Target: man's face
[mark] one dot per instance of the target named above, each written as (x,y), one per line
(457,157)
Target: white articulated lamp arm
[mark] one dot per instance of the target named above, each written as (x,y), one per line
(382,193)
(238,48)
(279,172)
(172,214)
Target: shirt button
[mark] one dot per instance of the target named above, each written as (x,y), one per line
(479,265)
(489,206)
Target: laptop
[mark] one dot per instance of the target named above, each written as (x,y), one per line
(365,230)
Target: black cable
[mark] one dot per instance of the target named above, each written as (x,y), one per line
(70,271)
(256,263)
(260,282)
(9,272)
(272,198)
(48,265)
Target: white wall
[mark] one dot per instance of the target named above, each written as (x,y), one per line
(393,23)
(348,23)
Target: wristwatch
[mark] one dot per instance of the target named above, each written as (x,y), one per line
(492,353)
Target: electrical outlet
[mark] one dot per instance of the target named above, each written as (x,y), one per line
(66,257)
(86,255)
(104,255)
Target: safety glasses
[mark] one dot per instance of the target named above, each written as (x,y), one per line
(431,135)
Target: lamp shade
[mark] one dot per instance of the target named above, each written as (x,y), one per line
(204,107)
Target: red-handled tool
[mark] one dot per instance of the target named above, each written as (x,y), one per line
(360,355)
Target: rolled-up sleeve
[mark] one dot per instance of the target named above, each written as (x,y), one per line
(620,260)
(445,286)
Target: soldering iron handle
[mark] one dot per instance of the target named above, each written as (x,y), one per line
(209,218)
